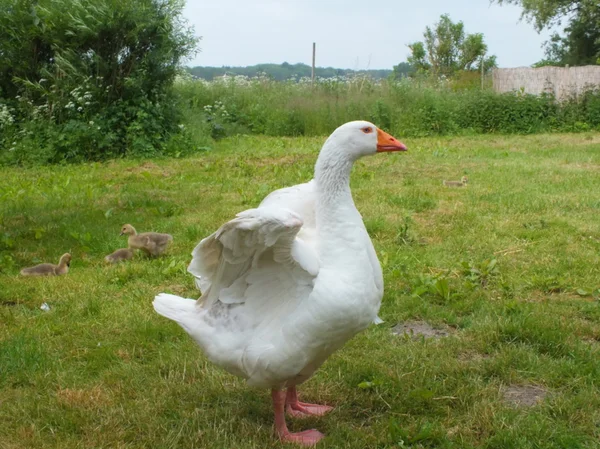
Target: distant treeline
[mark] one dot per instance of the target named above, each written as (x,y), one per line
(285,71)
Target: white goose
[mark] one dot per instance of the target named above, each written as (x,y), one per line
(288,283)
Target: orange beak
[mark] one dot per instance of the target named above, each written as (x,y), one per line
(385,142)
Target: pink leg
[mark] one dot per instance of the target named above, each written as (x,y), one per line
(306,438)
(302,409)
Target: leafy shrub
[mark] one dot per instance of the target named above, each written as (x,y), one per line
(92,83)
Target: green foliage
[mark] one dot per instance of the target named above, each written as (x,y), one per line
(479,275)
(579,43)
(7,243)
(448,49)
(434,286)
(418,57)
(424,436)
(401,70)
(408,107)
(283,72)
(83,79)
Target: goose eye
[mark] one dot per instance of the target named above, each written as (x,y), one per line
(367,130)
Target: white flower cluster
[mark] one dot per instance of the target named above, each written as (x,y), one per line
(218,110)
(337,82)
(80,98)
(184,77)
(236,80)
(6,117)
(39,110)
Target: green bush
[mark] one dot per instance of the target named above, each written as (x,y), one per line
(407,107)
(89,79)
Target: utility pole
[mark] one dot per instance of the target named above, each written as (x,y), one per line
(482,71)
(312,76)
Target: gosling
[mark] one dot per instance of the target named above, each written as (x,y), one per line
(462,183)
(152,243)
(48,269)
(119,255)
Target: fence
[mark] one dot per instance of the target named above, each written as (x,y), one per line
(561,81)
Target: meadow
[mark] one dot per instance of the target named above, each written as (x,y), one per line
(507,270)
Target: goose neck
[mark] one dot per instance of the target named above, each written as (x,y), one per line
(332,176)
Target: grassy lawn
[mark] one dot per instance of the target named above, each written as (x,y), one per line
(102,370)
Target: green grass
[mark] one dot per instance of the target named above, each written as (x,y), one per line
(102,370)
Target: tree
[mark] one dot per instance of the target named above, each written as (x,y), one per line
(447,49)
(285,71)
(401,70)
(579,43)
(91,78)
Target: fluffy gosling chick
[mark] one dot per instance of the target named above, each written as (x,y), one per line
(152,243)
(462,183)
(119,255)
(48,269)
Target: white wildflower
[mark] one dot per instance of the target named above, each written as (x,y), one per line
(6,117)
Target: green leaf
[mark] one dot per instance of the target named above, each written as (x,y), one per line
(421,393)
(442,288)
(367,385)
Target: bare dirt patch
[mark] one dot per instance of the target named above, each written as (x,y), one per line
(523,395)
(415,329)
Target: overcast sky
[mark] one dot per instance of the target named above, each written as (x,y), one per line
(349,34)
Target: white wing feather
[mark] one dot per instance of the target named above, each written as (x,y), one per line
(300,199)
(255,254)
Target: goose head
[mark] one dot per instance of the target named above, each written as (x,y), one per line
(65,259)
(127,230)
(360,138)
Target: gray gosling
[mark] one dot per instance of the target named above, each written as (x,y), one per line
(152,243)
(462,183)
(119,255)
(48,269)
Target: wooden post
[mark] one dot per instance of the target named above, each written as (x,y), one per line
(312,76)
(482,71)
